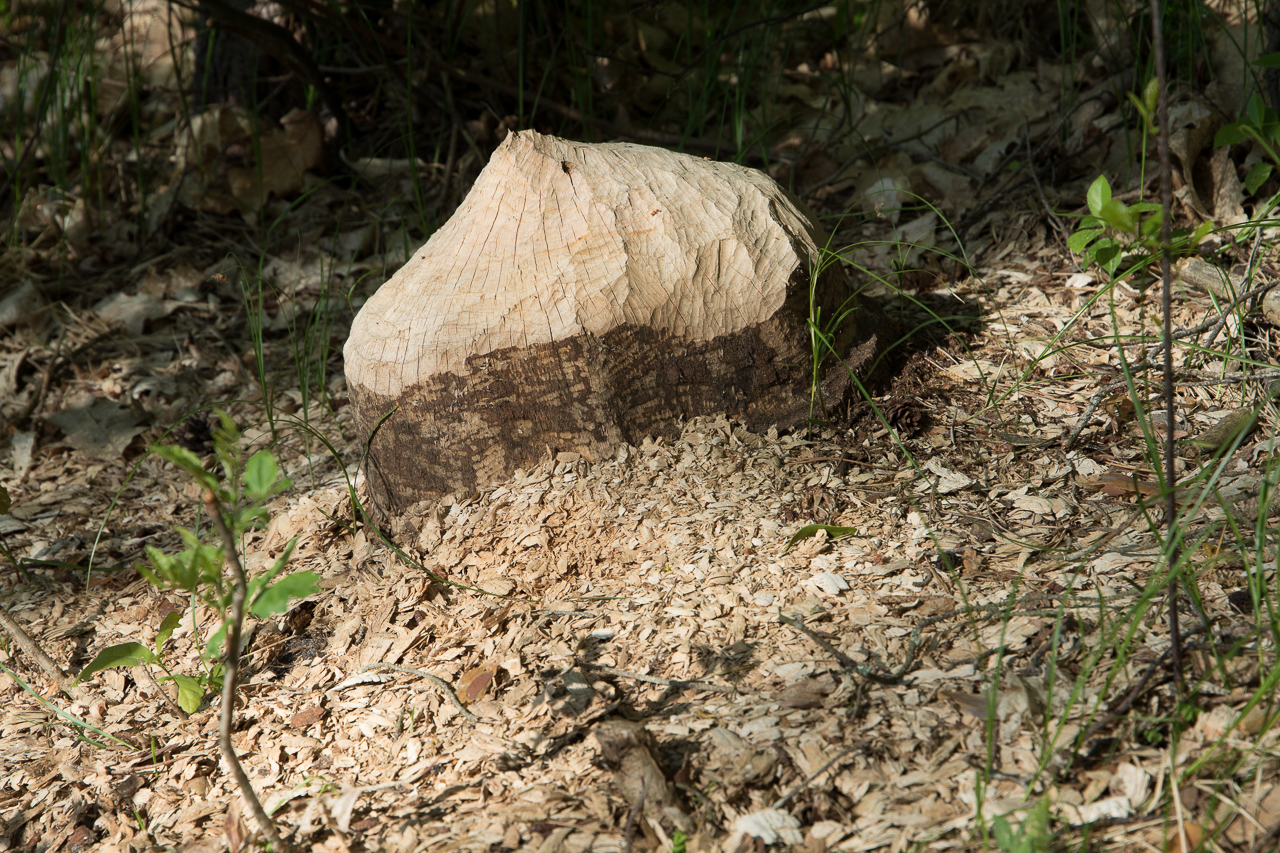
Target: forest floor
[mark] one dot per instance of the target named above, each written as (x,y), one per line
(641,653)
(959,645)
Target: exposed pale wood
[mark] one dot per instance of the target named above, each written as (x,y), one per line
(584,296)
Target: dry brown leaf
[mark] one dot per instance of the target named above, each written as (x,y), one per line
(304,718)
(234,826)
(1193,834)
(476,682)
(286,154)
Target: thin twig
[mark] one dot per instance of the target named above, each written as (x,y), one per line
(1230,378)
(450,162)
(164,695)
(1130,698)
(1166,305)
(1268,841)
(875,670)
(1035,178)
(36,404)
(929,155)
(1253,256)
(612,129)
(276,40)
(661,682)
(231,665)
(64,681)
(442,685)
(458,126)
(785,798)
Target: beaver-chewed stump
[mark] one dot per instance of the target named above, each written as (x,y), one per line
(583,296)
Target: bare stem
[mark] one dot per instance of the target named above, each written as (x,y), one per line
(1166,305)
(231,663)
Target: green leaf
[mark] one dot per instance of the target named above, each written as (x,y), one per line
(225,434)
(1119,216)
(1204,229)
(257,584)
(275,598)
(1003,833)
(1082,238)
(125,654)
(1107,253)
(166,630)
(1151,225)
(1229,134)
(187,570)
(152,577)
(190,693)
(1140,107)
(810,529)
(262,476)
(213,649)
(1268,60)
(1036,827)
(1099,194)
(1257,176)
(189,462)
(1256,110)
(1151,96)
(250,518)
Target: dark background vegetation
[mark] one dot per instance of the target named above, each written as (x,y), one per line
(436,81)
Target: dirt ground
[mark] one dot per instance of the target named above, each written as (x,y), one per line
(633,657)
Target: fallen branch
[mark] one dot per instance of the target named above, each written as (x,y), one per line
(65,682)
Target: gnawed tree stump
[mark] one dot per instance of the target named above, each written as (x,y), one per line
(583,296)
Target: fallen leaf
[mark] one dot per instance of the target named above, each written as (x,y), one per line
(475,682)
(287,153)
(311,715)
(829,583)
(21,447)
(1193,833)
(378,169)
(1238,422)
(21,306)
(810,529)
(770,826)
(102,430)
(131,311)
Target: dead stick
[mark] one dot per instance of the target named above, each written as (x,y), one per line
(65,683)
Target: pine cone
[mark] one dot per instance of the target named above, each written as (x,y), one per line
(905,415)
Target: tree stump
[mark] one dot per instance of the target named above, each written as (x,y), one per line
(583,296)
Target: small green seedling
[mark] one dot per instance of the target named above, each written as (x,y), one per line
(1260,124)
(1112,228)
(191,689)
(1032,836)
(240,496)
